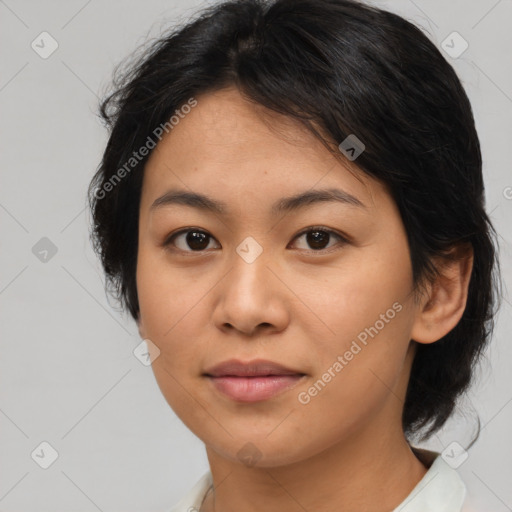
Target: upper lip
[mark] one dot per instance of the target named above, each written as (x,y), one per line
(256,367)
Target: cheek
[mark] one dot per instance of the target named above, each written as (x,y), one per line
(164,304)
(366,319)
(355,373)
(356,294)
(165,296)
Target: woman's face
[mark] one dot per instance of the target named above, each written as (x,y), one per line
(333,304)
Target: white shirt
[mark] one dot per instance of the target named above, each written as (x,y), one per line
(440,490)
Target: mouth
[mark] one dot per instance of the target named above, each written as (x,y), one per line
(252,381)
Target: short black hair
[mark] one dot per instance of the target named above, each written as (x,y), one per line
(340,67)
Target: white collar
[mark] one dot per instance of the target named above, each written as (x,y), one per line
(440,490)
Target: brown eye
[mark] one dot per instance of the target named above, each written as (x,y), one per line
(318,238)
(195,240)
(190,240)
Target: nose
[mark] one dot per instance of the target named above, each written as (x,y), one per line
(251,298)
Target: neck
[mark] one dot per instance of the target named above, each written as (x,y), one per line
(371,471)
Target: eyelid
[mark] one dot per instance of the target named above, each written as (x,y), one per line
(344,239)
(168,241)
(322,228)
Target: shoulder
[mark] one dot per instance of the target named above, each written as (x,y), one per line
(192,500)
(440,490)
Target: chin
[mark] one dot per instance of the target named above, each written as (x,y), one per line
(262,452)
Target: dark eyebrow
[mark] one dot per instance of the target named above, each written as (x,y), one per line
(286,204)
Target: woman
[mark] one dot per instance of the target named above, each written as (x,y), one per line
(291,207)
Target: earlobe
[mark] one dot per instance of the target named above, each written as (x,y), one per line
(442,306)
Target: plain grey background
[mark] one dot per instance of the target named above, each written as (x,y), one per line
(68,375)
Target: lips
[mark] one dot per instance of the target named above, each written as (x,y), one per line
(254,368)
(253,381)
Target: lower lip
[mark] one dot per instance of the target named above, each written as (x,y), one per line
(254,389)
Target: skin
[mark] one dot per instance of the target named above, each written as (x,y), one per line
(297,304)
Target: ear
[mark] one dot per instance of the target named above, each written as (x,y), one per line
(443,303)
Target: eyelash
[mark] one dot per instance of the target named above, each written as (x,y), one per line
(343,240)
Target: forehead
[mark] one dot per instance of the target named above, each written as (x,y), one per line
(238,148)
